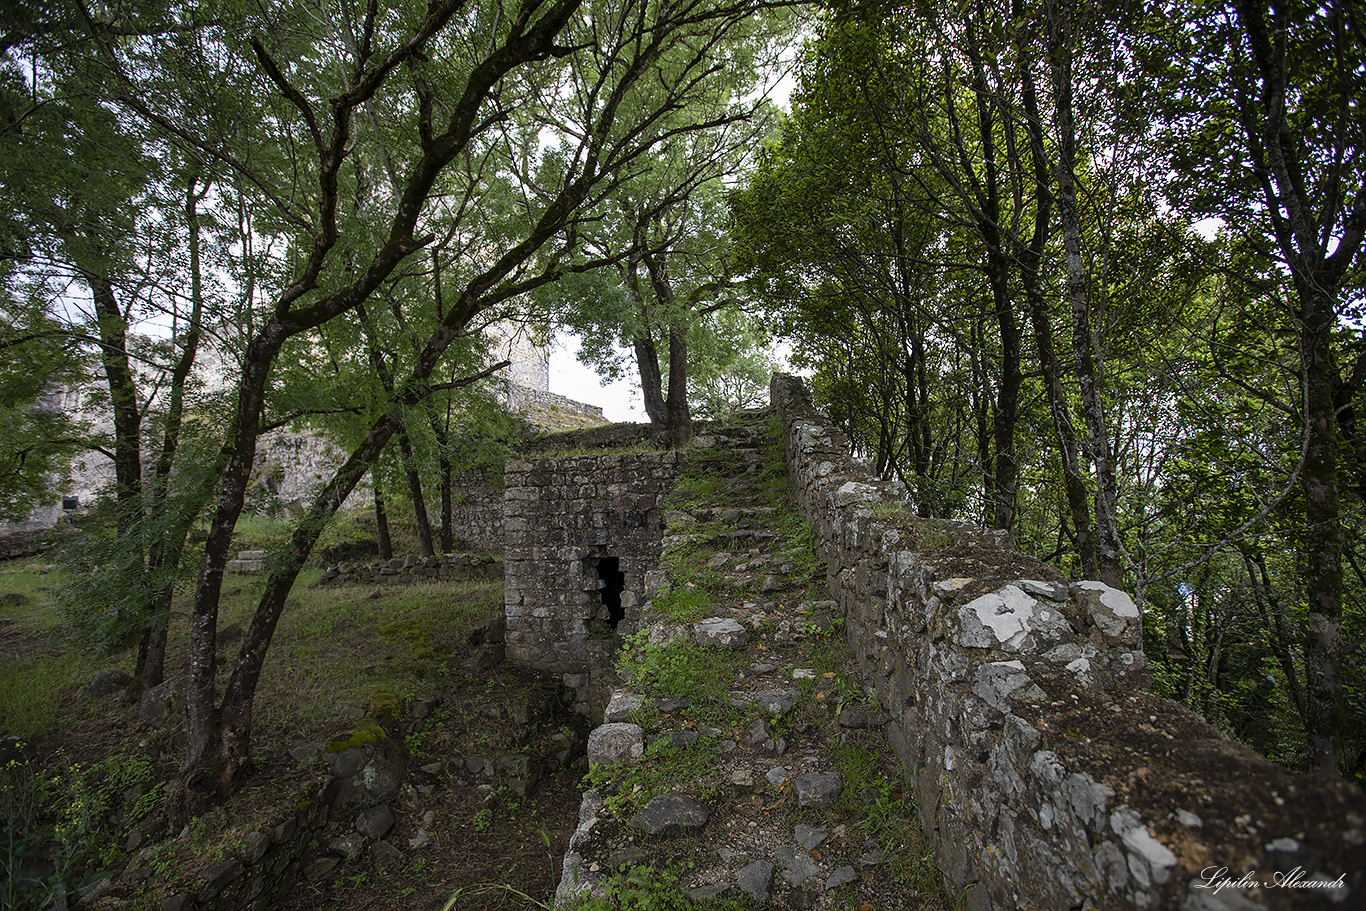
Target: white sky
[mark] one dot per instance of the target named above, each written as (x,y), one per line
(620,401)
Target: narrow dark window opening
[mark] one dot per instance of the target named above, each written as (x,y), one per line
(613,582)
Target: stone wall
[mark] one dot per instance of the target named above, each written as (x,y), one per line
(566,518)
(1046,776)
(551,412)
(266,869)
(477,510)
(444,567)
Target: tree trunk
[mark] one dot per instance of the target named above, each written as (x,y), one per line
(981,411)
(678,427)
(1108,567)
(205,746)
(988,227)
(113,330)
(232,747)
(680,415)
(1030,257)
(445,476)
(229,752)
(1324,536)
(1302,225)
(420,519)
(168,547)
(651,380)
(447,505)
(386,544)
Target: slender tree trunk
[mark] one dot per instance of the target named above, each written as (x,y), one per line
(1324,536)
(207,750)
(647,357)
(677,415)
(232,747)
(1006,414)
(988,227)
(1273,619)
(1030,259)
(118,374)
(447,505)
(1302,225)
(1108,566)
(216,752)
(680,415)
(405,446)
(420,518)
(166,550)
(981,411)
(651,380)
(386,544)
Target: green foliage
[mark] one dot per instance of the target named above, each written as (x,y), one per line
(888,814)
(680,669)
(649,888)
(39,441)
(684,605)
(627,788)
(68,812)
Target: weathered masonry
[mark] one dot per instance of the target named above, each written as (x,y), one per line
(1046,776)
(582,538)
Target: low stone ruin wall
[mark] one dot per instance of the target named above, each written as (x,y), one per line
(444,568)
(19,544)
(1046,776)
(264,872)
(551,412)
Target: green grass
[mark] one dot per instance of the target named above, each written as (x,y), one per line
(34,613)
(586,452)
(890,816)
(653,887)
(40,686)
(629,788)
(683,670)
(684,605)
(40,696)
(337,646)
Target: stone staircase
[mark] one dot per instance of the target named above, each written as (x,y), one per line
(248,561)
(739,763)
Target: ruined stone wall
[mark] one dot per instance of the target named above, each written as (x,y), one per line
(267,868)
(550,412)
(477,510)
(564,517)
(1046,776)
(403,570)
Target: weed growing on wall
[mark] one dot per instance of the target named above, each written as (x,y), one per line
(665,764)
(57,826)
(889,816)
(684,605)
(682,669)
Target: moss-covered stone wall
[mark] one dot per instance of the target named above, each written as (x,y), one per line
(1046,776)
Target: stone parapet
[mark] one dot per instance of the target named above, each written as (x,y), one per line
(1046,776)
